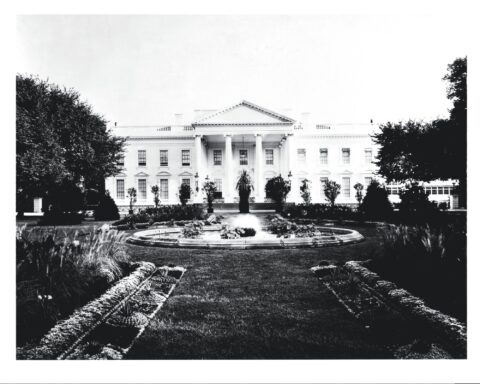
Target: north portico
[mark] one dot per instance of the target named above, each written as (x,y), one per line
(218,145)
(242,137)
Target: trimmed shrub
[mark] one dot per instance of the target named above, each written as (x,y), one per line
(165,213)
(320,212)
(106,209)
(415,207)
(375,204)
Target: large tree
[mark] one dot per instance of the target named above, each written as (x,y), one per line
(429,150)
(61,142)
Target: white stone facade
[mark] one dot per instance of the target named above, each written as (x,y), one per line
(220,144)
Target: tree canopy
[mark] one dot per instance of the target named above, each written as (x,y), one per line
(432,150)
(60,140)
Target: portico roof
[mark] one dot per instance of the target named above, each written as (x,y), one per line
(244,113)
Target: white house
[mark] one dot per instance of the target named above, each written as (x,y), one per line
(218,145)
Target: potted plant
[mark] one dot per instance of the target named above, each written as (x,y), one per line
(209,187)
(156,198)
(278,188)
(244,187)
(132,195)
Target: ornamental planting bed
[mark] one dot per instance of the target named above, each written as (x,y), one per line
(107,327)
(412,329)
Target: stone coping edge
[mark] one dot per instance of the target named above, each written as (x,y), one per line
(145,238)
(447,327)
(66,334)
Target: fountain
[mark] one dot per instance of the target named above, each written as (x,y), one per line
(210,237)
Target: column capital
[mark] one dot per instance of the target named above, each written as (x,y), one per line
(227,135)
(198,135)
(258,134)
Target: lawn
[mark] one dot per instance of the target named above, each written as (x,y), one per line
(255,304)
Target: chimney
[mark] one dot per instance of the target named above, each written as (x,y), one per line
(178,118)
(115,123)
(306,120)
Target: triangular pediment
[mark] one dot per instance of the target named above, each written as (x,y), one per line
(141,174)
(244,113)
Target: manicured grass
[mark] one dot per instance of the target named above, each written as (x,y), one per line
(255,304)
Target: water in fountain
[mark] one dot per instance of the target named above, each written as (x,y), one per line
(248,220)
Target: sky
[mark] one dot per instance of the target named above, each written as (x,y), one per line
(141,70)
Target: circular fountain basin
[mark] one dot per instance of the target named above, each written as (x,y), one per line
(170,237)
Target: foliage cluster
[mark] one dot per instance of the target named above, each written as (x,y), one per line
(277,188)
(63,146)
(163,213)
(106,209)
(428,262)
(376,205)
(57,273)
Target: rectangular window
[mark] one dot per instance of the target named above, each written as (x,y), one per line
(302,155)
(185,157)
(243,157)
(323,156)
(142,158)
(368,155)
(428,190)
(218,184)
(121,161)
(163,158)
(164,189)
(269,156)
(120,189)
(368,180)
(434,190)
(186,182)
(142,189)
(323,181)
(346,187)
(346,155)
(217,157)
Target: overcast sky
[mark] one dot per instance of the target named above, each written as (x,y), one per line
(143,69)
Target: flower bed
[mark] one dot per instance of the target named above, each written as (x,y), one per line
(447,329)
(66,334)
(59,272)
(393,312)
(113,338)
(429,262)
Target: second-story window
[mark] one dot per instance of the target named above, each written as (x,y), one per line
(368,155)
(217,157)
(302,155)
(323,156)
(163,158)
(269,156)
(243,157)
(346,155)
(185,157)
(142,158)
(121,161)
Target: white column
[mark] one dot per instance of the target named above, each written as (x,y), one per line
(259,183)
(228,169)
(291,161)
(199,168)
